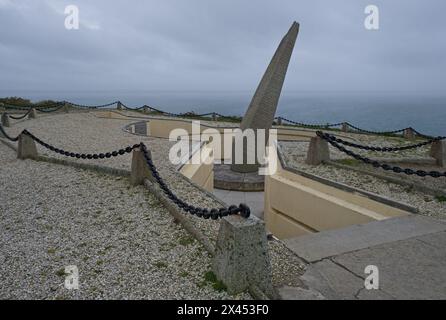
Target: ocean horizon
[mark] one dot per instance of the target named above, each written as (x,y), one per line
(369,110)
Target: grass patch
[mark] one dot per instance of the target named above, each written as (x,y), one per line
(440,198)
(160,264)
(184,274)
(61,272)
(186,240)
(211,278)
(348,162)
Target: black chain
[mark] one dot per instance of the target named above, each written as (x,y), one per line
(315,126)
(2,130)
(376,132)
(376,164)
(53,110)
(91,107)
(380,149)
(22,116)
(81,155)
(214,214)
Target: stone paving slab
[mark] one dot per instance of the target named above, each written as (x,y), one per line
(326,244)
(408,269)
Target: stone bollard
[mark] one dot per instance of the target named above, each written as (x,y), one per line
(145,109)
(214,116)
(317,151)
(344,127)
(32,114)
(5,120)
(27,147)
(279,121)
(140,169)
(119,106)
(409,134)
(66,108)
(241,258)
(438,152)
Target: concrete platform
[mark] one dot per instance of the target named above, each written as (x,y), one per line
(226,179)
(409,252)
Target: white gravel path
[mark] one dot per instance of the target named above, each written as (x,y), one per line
(96,201)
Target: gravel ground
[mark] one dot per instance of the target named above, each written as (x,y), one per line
(84,132)
(122,240)
(295,153)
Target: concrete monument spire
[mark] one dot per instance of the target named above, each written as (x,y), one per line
(262,109)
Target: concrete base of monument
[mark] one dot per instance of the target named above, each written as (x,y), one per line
(226,179)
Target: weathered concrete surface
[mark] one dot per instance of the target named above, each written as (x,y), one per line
(26,148)
(140,170)
(317,151)
(262,109)
(438,152)
(5,120)
(241,255)
(326,244)
(410,255)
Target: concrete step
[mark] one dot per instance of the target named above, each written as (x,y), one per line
(330,243)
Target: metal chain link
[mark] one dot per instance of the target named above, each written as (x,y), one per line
(380,149)
(376,164)
(315,126)
(243,210)
(7,136)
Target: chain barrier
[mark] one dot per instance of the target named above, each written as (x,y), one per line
(384,166)
(91,107)
(39,108)
(380,149)
(376,132)
(315,126)
(7,136)
(22,116)
(242,210)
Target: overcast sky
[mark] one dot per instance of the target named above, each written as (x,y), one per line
(221,45)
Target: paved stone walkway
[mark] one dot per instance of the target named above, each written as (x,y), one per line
(410,253)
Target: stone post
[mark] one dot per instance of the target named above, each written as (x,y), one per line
(2,106)
(438,152)
(409,134)
(119,106)
(214,116)
(279,121)
(5,120)
(317,152)
(27,147)
(140,169)
(66,108)
(32,114)
(241,258)
(344,127)
(145,109)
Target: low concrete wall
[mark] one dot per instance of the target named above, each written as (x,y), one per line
(201,173)
(296,205)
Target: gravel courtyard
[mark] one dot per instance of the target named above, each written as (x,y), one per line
(124,243)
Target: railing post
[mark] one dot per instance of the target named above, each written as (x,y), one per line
(119,106)
(241,258)
(26,148)
(438,152)
(409,134)
(32,114)
(66,107)
(344,127)
(5,120)
(140,169)
(214,116)
(279,121)
(318,151)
